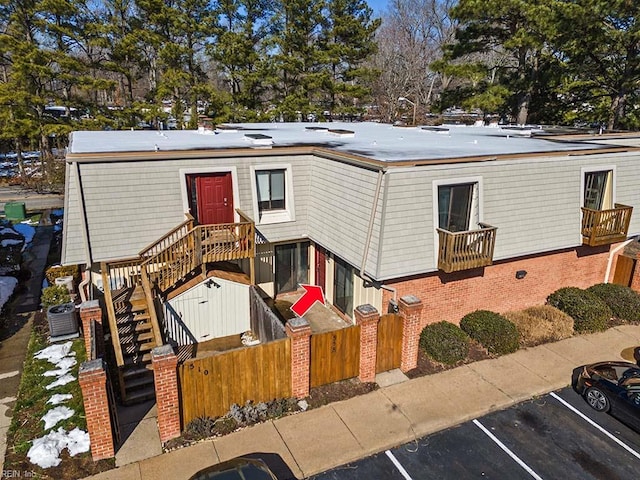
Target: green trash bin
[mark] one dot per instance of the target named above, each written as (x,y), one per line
(15,211)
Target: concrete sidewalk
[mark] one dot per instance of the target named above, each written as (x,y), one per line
(323,438)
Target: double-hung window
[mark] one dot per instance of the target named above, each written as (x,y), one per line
(455,206)
(270,186)
(273,193)
(598,190)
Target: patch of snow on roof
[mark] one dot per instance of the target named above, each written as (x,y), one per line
(373,140)
(55,415)
(45,451)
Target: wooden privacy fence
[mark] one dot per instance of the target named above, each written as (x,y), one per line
(389,347)
(210,385)
(335,356)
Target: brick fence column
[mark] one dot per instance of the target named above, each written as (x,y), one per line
(299,331)
(410,307)
(635,279)
(367,317)
(91,310)
(93,383)
(165,376)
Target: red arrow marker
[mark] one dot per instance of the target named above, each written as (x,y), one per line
(311,295)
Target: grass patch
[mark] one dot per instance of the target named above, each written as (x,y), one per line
(31,405)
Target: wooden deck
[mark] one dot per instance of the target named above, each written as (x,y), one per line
(603,227)
(466,250)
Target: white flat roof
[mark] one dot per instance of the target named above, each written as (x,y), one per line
(372,140)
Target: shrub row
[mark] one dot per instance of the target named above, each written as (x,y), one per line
(445,342)
(541,324)
(568,309)
(494,332)
(589,312)
(448,343)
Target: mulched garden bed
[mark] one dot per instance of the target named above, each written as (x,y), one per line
(334,392)
(428,366)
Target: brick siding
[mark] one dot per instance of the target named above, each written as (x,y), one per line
(451,296)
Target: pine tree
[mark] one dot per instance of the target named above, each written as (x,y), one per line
(298,57)
(239,47)
(349,41)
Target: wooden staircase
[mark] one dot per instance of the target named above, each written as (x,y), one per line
(137,339)
(131,286)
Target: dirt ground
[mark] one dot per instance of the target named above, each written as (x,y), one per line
(428,366)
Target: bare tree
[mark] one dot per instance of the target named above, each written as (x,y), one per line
(411,38)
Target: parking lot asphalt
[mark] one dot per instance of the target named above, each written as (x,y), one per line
(554,436)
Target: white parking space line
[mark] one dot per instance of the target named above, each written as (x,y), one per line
(584,417)
(526,467)
(397,464)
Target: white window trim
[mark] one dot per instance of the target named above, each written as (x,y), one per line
(602,168)
(183,172)
(274,216)
(454,181)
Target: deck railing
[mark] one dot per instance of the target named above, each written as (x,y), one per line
(117,279)
(466,250)
(203,244)
(169,238)
(602,227)
(170,259)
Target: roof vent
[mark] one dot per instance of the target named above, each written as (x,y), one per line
(227,128)
(339,132)
(435,129)
(316,129)
(258,139)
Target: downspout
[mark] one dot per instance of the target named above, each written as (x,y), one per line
(85,231)
(611,254)
(365,254)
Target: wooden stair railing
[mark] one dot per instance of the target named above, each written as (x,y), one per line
(117,278)
(170,259)
(169,238)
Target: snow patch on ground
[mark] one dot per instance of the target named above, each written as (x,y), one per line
(63,380)
(55,415)
(7,286)
(64,366)
(59,398)
(45,451)
(55,353)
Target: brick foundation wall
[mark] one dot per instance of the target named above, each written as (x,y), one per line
(165,376)
(451,296)
(93,383)
(299,331)
(367,317)
(411,309)
(91,311)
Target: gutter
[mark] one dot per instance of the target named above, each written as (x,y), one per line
(365,254)
(83,219)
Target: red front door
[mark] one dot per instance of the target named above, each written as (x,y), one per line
(321,266)
(214,197)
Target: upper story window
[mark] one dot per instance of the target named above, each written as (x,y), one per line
(455,207)
(272,190)
(598,190)
(270,186)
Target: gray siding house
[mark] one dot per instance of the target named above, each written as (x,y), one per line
(367,211)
